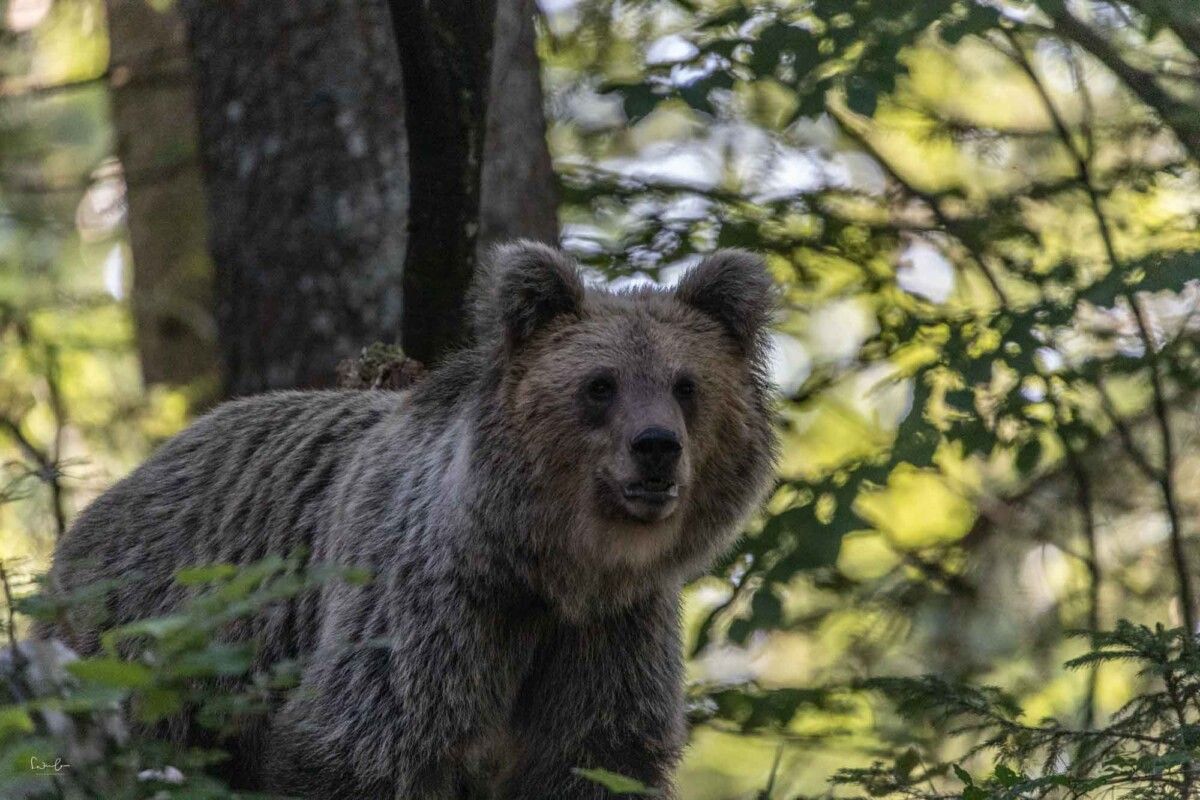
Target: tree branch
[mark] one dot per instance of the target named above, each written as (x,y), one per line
(928,199)
(1180,117)
(1166,481)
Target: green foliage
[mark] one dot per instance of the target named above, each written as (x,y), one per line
(616,783)
(185,668)
(1043,153)
(848,48)
(1031,147)
(1147,750)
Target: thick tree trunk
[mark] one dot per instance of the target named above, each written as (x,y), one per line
(356,162)
(518,195)
(156,142)
(304,150)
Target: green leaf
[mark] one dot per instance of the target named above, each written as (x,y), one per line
(88,699)
(754,709)
(218,659)
(357,576)
(978,20)
(617,783)
(155,628)
(192,576)
(906,762)
(1006,776)
(112,672)
(14,719)
(156,703)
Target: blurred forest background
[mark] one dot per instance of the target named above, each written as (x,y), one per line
(983,214)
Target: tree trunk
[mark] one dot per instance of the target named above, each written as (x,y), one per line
(304,150)
(518,196)
(480,167)
(355,168)
(445,49)
(155,126)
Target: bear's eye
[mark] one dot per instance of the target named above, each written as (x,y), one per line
(601,389)
(685,389)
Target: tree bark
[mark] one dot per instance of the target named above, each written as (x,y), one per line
(304,150)
(519,192)
(357,162)
(480,167)
(155,124)
(445,50)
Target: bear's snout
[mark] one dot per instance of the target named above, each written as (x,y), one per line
(656,452)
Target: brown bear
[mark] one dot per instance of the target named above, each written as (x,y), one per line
(529,512)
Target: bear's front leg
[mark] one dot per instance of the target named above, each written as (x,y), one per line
(390,715)
(602,695)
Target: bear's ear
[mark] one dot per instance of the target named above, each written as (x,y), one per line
(733,287)
(524,286)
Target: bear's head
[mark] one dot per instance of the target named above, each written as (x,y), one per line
(643,415)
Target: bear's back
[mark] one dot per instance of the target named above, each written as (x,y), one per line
(250,479)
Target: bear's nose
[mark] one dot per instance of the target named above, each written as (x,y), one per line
(656,450)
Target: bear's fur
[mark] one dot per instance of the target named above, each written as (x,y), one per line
(527,556)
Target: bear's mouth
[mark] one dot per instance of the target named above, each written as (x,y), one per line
(650,500)
(651,491)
